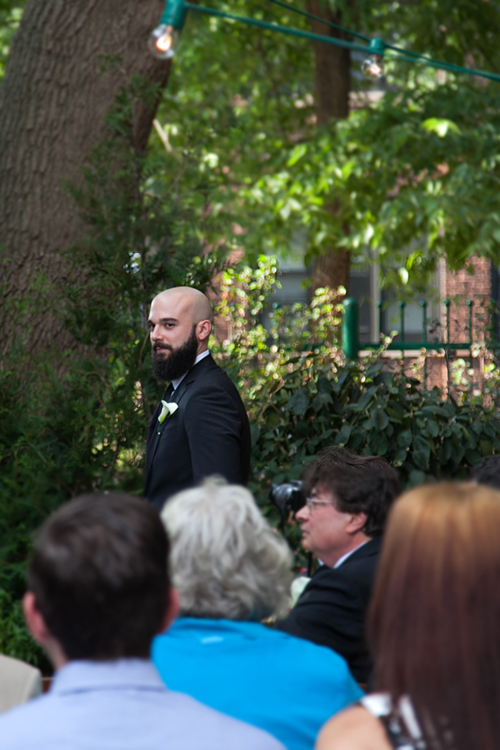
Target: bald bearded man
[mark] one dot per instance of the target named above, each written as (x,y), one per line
(200,427)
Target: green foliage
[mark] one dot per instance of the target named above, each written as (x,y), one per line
(14,638)
(75,420)
(413,177)
(413,188)
(303,395)
(373,411)
(10,16)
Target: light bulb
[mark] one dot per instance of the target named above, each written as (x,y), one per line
(373,66)
(163,42)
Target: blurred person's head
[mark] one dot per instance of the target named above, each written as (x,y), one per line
(435,612)
(98,583)
(226,560)
(348,499)
(487,472)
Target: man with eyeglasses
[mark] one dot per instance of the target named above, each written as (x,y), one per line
(348,499)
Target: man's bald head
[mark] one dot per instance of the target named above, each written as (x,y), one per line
(191,301)
(180,322)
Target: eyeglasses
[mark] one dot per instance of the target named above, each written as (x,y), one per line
(311,502)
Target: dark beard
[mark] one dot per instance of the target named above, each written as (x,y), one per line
(178,362)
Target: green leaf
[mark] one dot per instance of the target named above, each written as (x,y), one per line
(273,419)
(344,435)
(299,402)
(468,435)
(297,154)
(378,444)
(324,385)
(405,439)
(440,126)
(421,445)
(380,418)
(366,398)
(317,403)
(421,459)
(431,428)
(254,433)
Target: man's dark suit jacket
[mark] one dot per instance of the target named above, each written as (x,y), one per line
(331,611)
(208,434)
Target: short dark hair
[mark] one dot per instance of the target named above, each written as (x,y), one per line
(362,484)
(99,574)
(487,472)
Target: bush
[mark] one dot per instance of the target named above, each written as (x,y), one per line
(371,410)
(75,421)
(303,395)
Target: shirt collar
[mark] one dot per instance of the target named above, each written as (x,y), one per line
(77,676)
(344,557)
(176,383)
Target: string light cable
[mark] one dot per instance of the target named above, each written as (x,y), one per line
(164,40)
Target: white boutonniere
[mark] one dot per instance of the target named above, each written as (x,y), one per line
(167,409)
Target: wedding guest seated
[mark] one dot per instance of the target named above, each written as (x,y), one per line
(434,627)
(98,593)
(232,570)
(343,519)
(19,682)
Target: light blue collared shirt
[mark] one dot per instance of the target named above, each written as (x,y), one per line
(122,705)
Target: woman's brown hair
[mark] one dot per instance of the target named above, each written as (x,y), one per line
(435,613)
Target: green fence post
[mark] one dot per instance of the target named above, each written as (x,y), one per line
(380,327)
(470,305)
(447,304)
(423,305)
(350,328)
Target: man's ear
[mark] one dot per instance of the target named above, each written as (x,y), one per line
(203,330)
(172,610)
(356,523)
(34,620)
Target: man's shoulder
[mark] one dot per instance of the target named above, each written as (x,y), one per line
(359,568)
(218,729)
(208,369)
(207,377)
(21,725)
(83,720)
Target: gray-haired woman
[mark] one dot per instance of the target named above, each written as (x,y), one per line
(232,570)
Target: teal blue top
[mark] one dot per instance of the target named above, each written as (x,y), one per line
(285,685)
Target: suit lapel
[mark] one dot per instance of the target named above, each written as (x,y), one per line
(155,434)
(177,396)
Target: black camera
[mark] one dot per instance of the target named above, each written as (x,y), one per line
(287,497)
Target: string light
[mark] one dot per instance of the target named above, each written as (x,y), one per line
(373,66)
(164,40)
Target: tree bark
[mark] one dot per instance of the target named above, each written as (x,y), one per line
(332,85)
(67,63)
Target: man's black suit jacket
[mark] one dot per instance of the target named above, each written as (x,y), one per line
(208,434)
(331,611)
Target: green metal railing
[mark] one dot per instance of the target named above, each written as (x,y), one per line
(352,345)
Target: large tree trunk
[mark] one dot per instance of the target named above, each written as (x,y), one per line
(68,61)
(332,85)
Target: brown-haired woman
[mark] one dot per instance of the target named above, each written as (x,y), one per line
(434,628)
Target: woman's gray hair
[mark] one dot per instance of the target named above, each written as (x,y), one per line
(226,560)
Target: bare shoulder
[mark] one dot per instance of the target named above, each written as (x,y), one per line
(353,729)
